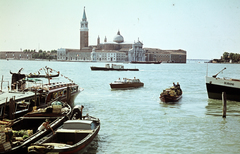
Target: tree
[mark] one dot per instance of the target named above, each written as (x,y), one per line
(235,57)
(53,51)
(231,55)
(225,56)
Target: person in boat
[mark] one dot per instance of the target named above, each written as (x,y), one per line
(77,113)
(177,89)
(45,125)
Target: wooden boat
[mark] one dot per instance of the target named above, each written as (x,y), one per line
(215,87)
(32,122)
(114,67)
(126,83)
(146,62)
(72,137)
(172,94)
(15,104)
(47,91)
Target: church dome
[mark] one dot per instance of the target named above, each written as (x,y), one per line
(118,38)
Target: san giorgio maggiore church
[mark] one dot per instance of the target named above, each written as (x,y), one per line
(116,51)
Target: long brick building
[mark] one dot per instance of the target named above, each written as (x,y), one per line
(15,55)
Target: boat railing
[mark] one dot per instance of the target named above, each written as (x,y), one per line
(235,80)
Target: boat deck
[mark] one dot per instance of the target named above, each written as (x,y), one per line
(18,96)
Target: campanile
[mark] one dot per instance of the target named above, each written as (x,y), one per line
(84,31)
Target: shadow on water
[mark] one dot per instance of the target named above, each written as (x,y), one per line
(214,108)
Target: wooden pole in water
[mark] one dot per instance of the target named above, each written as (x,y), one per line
(224,103)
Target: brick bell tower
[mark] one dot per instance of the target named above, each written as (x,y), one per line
(84,31)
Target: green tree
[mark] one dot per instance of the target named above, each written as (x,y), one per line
(231,55)
(225,56)
(235,57)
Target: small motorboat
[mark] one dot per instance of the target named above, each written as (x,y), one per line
(72,137)
(172,94)
(126,83)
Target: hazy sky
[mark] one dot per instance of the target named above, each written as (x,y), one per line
(204,28)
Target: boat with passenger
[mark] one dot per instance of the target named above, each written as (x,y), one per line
(215,86)
(72,137)
(114,67)
(172,94)
(20,133)
(126,83)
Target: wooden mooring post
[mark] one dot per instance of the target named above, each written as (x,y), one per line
(224,104)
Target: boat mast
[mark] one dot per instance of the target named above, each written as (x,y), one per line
(218,73)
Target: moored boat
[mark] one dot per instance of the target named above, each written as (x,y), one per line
(114,67)
(172,94)
(34,126)
(72,137)
(15,104)
(146,62)
(48,91)
(215,86)
(126,83)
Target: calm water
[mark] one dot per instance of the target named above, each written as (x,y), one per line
(135,121)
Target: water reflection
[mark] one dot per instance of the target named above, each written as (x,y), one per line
(214,108)
(171,104)
(93,147)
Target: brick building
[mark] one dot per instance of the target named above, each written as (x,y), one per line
(15,55)
(169,56)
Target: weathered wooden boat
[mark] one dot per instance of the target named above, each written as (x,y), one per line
(126,83)
(172,94)
(114,67)
(72,137)
(215,87)
(146,62)
(34,126)
(14,104)
(47,91)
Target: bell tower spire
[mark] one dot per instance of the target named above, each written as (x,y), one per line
(84,31)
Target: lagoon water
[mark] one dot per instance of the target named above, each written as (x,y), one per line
(136,121)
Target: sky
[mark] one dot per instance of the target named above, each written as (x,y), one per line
(204,28)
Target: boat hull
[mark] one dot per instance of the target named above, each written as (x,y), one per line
(215,87)
(73,96)
(146,62)
(32,121)
(126,85)
(80,138)
(167,98)
(79,147)
(112,69)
